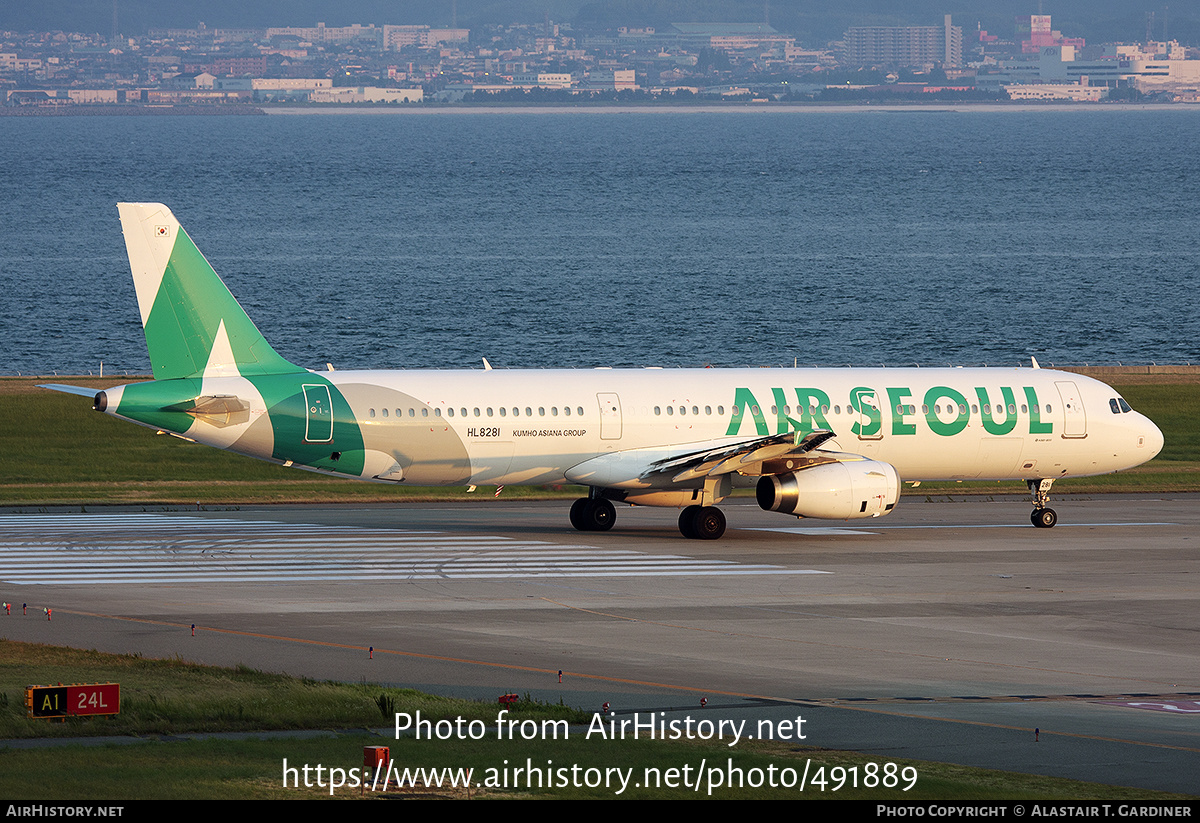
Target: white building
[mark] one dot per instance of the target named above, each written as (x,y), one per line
(366,94)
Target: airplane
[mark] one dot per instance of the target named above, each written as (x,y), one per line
(813,442)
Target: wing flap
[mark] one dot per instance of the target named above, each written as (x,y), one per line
(731,458)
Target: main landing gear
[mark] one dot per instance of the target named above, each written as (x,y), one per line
(593,514)
(702,522)
(596,514)
(1042,516)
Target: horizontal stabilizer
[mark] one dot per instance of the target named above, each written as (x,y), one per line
(82,391)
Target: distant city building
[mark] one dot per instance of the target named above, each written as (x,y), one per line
(321,33)
(366,94)
(726,36)
(1057,91)
(1034,33)
(396,38)
(543,80)
(905,45)
(616,79)
(1142,67)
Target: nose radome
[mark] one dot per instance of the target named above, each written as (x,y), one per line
(1154,438)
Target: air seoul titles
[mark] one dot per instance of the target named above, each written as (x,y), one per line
(945,411)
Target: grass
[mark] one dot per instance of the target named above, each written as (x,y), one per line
(174,697)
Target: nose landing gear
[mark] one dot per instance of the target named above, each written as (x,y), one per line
(1042,516)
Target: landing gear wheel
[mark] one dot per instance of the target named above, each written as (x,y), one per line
(601,515)
(702,523)
(1044,518)
(687,522)
(709,523)
(579,513)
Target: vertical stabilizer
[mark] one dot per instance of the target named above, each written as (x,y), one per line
(193,325)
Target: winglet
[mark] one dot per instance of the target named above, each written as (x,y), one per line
(193,325)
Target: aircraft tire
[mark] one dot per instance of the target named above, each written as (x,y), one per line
(579,514)
(600,515)
(1044,518)
(708,523)
(687,522)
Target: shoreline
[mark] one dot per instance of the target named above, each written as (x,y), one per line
(737,108)
(930,107)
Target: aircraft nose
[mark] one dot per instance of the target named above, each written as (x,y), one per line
(1153,438)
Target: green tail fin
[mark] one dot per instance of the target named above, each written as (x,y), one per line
(194,327)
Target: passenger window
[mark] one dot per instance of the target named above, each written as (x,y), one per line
(658,410)
(580,410)
(516,412)
(464,412)
(567,411)
(671,410)
(708,409)
(437,412)
(695,409)
(372,412)
(503,411)
(425,412)
(489,411)
(385,412)
(541,411)
(450,411)
(476,411)
(1012,408)
(554,411)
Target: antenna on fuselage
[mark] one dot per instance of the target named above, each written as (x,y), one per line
(1035,362)
(486,365)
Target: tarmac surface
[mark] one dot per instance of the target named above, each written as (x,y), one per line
(949,630)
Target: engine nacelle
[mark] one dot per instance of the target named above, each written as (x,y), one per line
(833,491)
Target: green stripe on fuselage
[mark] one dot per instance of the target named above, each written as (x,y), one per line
(288,410)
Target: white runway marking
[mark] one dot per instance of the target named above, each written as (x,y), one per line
(94,549)
(875,530)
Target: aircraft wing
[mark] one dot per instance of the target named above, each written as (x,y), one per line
(730,458)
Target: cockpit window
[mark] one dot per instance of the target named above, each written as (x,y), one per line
(1125,407)
(1112,404)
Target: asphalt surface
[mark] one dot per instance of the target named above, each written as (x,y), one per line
(949,630)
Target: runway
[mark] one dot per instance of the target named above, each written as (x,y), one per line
(949,630)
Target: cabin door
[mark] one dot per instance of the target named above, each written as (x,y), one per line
(610,415)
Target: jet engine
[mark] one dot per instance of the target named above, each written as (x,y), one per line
(833,491)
